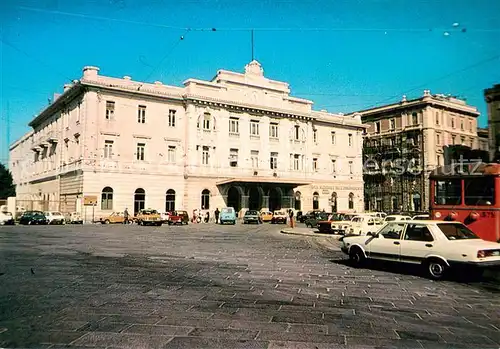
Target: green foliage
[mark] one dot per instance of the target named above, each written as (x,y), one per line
(7,187)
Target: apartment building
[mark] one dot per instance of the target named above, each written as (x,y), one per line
(404,142)
(238,140)
(492,98)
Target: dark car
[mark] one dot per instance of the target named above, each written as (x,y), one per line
(313,219)
(33,217)
(299,217)
(252,216)
(304,217)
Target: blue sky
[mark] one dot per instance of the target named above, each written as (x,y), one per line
(345,55)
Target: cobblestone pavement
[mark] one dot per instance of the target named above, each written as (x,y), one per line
(207,286)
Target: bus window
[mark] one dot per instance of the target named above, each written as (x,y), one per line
(448,192)
(479,191)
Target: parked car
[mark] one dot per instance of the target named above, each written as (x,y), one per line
(298,216)
(165,217)
(178,217)
(74,218)
(396,217)
(148,217)
(308,215)
(6,218)
(279,217)
(340,223)
(33,217)
(252,216)
(113,218)
(363,224)
(317,216)
(55,217)
(227,215)
(266,216)
(435,245)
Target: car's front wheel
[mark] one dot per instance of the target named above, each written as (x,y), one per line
(436,269)
(356,256)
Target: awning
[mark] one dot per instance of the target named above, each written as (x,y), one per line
(261,180)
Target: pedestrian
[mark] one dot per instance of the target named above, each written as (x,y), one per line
(207,217)
(292,223)
(216,213)
(125,216)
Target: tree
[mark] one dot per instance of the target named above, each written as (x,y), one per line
(7,186)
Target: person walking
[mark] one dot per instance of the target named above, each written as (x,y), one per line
(125,216)
(217,213)
(292,222)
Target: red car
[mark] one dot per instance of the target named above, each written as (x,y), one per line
(178,217)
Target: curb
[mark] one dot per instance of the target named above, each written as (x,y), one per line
(311,233)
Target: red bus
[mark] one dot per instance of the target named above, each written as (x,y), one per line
(468,193)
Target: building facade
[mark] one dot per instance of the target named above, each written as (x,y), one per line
(492,98)
(239,140)
(404,142)
(483,136)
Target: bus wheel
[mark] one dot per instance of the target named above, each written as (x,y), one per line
(436,269)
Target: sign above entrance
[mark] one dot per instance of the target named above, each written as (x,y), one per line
(90,200)
(334,187)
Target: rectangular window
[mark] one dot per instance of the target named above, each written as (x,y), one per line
(438,139)
(141,151)
(274,161)
(171,118)
(273,130)
(472,143)
(296,162)
(206,121)
(414,118)
(470,126)
(254,156)
(254,128)
(453,139)
(171,154)
(453,122)
(315,164)
(205,155)
(437,118)
(108,149)
(233,157)
(462,125)
(315,136)
(351,169)
(110,110)
(334,166)
(438,160)
(480,191)
(377,127)
(297,133)
(448,192)
(234,126)
(141,114)
(350,139)
(334,137)
(462,140)
(392,124)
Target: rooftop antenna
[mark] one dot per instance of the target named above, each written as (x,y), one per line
(252,45)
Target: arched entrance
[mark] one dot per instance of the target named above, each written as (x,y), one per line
(254,199)
(139,200)
(234,198)
(274,199)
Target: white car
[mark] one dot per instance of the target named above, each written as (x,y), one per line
(165,217)
(396,217)
(55,217)
(364,224)
(436,245)
(6,218)
(421,217)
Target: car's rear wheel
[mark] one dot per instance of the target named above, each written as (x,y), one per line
(436,269)
(356,256)
(106,221)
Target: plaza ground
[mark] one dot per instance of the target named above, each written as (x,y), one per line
(210,286)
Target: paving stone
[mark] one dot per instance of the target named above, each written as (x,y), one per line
(300,337)
(383,343)
(428,336)
(122,340)
(163,330)
(204,343)
(230,333)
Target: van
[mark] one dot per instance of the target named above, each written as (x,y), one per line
(227,215)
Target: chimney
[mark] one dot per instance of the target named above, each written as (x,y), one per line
(90,72)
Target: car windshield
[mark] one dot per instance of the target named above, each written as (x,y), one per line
(251,213)
(457,231)
(420,218)
(227,210)
(389,219)
(279,213)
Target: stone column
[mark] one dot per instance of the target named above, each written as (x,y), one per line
(265,202)
(244,202)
